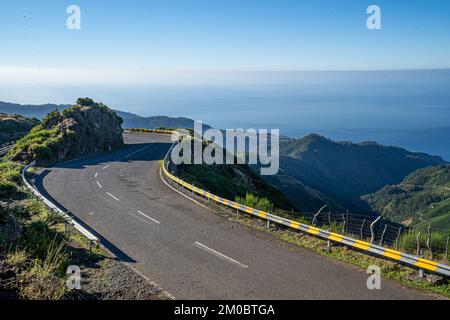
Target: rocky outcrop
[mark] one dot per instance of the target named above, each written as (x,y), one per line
(80,130)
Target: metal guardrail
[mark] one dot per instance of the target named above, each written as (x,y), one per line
(92,238)
(408,259)
(5,150)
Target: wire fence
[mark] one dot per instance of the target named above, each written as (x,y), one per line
(423,242)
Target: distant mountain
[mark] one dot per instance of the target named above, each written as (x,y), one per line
(339,173)
(28,110)
(14,127)
(422,197)
(130,120)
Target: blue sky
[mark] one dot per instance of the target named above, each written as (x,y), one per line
(136,38)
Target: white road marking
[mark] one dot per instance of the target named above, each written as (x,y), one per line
(219,255)
(133,153)
(187,197)
(99,185)
(112,196)
(91,213)
(144,215)
(96,175)
(106,167)
(140,218)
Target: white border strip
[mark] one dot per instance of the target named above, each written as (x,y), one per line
(53,207)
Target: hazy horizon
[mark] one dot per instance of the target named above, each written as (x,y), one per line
(216,61)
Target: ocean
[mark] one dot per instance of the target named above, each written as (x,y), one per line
(410,109)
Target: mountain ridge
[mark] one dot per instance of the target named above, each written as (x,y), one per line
(344,171)
(131,120)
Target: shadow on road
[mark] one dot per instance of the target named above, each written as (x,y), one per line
(121,256)
(152,152)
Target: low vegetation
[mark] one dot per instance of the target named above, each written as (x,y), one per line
(33,254)
(14,127)
(235,182)
(422,198)
(85,128)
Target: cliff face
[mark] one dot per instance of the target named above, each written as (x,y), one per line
(80,130)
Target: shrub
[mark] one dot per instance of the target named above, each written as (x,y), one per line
(408,242)
(45,281)
(38,238)
(17,258)
(256,202)
(9,178)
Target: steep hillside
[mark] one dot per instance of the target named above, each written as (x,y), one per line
(82,129)
(422,197)
(234,182)
(343,171)
(14,127)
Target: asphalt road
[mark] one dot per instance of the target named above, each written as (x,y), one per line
(188,250)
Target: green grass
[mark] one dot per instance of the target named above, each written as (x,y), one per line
(9,178)
(234,182)
(38,252)
(255,202)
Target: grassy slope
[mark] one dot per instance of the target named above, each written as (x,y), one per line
(422,197)
(231,181)
(14,127)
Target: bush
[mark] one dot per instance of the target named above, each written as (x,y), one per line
(408,242)
(255,202)
(7,189)
(38,238)
(9,179)
(45,280)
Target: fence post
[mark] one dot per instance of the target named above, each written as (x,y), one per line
(372,234)
(315,216)
(362,229)
(428,241)
(446,250)
(348,221)
(418,242)
(343,225)
(329,218)
(397,242)
(382,235)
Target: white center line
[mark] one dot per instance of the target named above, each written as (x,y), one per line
(96,175)
(144,215)
(219,255)
(99,185)
(106,167)
(112,196)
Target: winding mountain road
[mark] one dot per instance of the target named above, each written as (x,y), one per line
(187,249)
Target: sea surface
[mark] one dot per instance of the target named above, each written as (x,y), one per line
(410,109)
